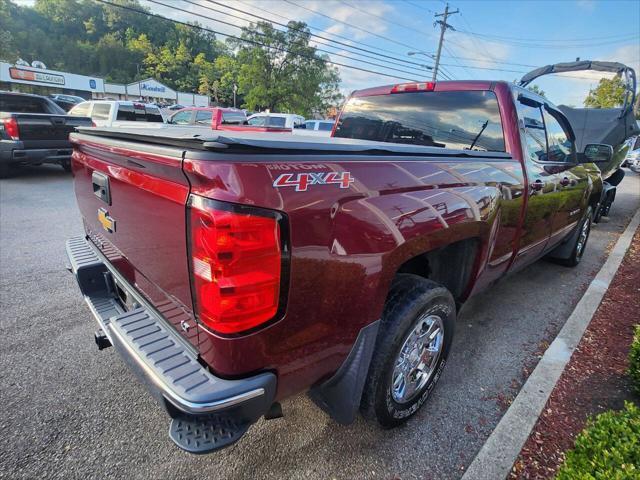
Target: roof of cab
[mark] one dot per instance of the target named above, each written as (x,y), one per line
(439,87)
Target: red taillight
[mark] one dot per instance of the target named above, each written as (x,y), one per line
(236,261)
(414,87)
(11,127)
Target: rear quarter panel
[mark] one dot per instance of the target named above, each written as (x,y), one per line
(348,243)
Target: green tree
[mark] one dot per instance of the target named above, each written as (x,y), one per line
(280,71)
(536,89)
(609,93)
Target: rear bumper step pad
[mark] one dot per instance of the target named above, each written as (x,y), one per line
(208,412)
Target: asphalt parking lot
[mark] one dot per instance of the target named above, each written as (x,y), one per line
(70,411)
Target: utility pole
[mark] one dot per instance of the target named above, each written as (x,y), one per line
(443,27)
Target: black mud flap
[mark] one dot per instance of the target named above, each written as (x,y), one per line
(340,395)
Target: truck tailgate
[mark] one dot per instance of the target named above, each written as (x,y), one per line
(43,130)
(132,198)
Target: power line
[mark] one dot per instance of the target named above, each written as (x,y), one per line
(456,60)
(351,25)
(324,31)
(312,34)
(382,18)
(262,35)
(549,40)
(418,6)
(199,27)
(537,45)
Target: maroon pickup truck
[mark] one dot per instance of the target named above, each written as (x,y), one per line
(234,269)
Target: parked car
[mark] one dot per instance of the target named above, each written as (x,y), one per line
(109,113)
(632,158)
(34,130)
(218,118)
(232,270)
(282,120)
(66,102)
(320,128)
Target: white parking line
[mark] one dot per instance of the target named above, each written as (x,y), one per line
(497,456)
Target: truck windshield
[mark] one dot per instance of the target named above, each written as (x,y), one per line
(465,120)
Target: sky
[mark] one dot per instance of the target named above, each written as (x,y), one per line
(492,40)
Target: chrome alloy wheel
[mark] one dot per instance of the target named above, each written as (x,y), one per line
(418,358)
(582,239)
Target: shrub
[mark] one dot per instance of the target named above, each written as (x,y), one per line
(609,448)
(634,360)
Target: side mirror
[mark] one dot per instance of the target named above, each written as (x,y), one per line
(300,125)
(598,153)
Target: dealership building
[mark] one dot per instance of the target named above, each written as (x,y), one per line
(24,78)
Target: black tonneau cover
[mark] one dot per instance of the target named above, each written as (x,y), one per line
(238,142)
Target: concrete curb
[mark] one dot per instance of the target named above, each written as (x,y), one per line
(497,456)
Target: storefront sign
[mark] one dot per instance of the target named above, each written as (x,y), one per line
(35,76)
(152,88)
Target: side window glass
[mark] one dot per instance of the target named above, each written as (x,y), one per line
(257,121)
(559,143)
(80,110)
(181,118)
(534,134)
(203,117)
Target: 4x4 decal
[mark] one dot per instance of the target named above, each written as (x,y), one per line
(301,181)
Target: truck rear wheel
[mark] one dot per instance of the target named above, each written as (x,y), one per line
(415,336)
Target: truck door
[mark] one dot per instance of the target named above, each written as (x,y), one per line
(543,193)
(572,179)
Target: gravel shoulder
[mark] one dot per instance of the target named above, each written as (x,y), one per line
(74,412)
(595,378)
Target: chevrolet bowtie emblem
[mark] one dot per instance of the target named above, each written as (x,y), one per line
(108,223)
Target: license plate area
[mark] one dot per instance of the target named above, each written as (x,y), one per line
(126,301)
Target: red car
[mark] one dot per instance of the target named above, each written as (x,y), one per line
(234,270)
(219,118)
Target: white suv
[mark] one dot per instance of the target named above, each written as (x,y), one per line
(113,113)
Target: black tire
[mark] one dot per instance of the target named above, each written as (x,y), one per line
(66,165)
(578,248)
(411,299)
(598,216)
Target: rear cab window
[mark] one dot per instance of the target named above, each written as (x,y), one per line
(276,121)
(138,113)
(325,126)
(233,118)
(464,120)
(28,104)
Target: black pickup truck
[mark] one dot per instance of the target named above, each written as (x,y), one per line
(34,130)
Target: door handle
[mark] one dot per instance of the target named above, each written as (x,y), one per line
(565,181)
(537,185)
